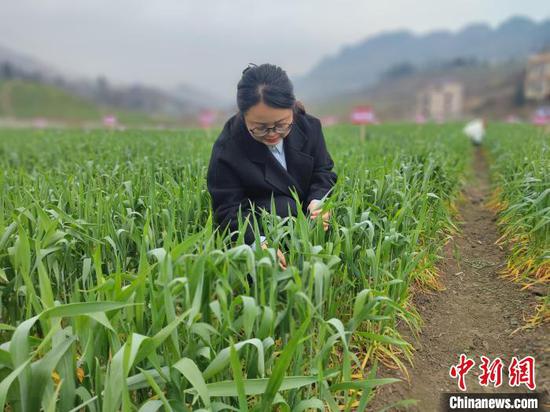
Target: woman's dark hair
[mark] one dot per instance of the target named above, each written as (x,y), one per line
(269,84)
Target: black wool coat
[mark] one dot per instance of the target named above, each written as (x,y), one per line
(243,172)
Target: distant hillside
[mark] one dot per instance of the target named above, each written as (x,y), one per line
(24,99)
(21,99)
(29,64)
(183,101)
(362,65)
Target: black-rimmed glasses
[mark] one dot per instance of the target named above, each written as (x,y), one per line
(264,131)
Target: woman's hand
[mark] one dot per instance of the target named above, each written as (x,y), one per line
(280,256)
(315,212)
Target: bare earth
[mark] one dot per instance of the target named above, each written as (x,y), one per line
(476,314)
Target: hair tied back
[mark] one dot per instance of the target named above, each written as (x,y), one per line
(250,65)
(299,107)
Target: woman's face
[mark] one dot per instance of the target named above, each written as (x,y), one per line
(260,116)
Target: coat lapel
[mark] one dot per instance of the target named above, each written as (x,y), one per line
(299,164)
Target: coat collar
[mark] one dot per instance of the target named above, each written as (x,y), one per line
(299,164)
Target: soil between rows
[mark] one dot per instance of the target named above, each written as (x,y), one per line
(478,313)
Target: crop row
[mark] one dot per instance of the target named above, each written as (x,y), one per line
(520,166)
(118,293)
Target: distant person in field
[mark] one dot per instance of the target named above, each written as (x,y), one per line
(475,130)
(270,147)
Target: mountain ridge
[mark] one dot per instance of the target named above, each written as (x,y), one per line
(361,65)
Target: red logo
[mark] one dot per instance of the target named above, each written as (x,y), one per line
(520,371)
(491,372)
(461,370)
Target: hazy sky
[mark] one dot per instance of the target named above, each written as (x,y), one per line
(207,43)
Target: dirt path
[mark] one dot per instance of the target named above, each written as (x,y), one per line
(475,315)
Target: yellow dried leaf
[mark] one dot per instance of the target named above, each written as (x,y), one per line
(56,378)
(80,374)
